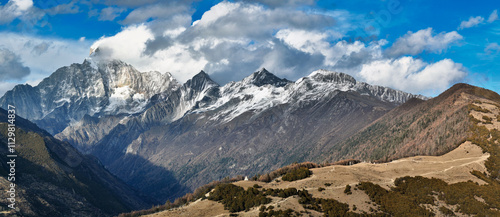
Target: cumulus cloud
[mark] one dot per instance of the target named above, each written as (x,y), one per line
(493,16)
(110,13)
(11,66)
(472,22)
(414,75)
(238,20)
(423,40)
(233,39)
(229,41)
(14,9)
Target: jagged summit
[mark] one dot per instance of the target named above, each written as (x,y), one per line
(201,81)
(264,77)
(323,75)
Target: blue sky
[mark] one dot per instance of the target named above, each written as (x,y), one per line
(416,46)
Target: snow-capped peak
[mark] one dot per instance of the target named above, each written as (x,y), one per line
(264,77)
(200,81)
(332,77)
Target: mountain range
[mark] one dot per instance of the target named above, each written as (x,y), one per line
(165,138)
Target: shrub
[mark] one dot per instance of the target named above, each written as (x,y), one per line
(320,189)
(236,198)
(284,193)
(284,170)
(297,174)
(394,203)
(487,119)
(446,211)
(478,108)
(279,213)
(347,190)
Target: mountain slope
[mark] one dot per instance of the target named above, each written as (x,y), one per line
(417,127)
(54,179)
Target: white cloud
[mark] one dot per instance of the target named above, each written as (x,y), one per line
(423,40)
(229,41)
(43,55)
(110,13)
(14,9)
(70,8)
(472,22)
(306,41)
(414,75)
(283,3)
(493,16)
(161,10)
(492,48)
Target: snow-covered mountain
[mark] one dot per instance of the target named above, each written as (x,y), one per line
(263,90)
(94,88)
(141,124)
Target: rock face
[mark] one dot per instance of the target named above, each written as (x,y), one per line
(199,131)
(54,179)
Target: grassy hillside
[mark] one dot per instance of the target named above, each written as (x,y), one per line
(432,127)
(53,179)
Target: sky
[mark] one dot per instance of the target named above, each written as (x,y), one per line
(418,46)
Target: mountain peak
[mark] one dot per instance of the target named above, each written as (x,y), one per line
(469,89)
(263,77)
(331,76)
(200,81)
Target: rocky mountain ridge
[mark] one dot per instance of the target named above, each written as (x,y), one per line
(186,133)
